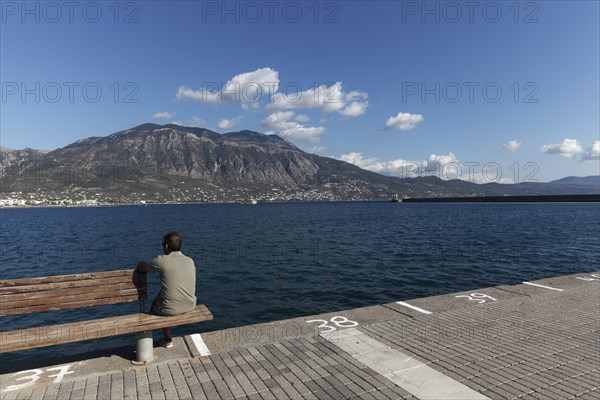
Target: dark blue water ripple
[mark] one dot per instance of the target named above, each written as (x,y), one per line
(275,261)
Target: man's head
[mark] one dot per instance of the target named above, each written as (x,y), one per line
(171,242)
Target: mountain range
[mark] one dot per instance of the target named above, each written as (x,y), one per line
(154,163)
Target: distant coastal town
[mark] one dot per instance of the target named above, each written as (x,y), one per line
(79,197)
(38,202)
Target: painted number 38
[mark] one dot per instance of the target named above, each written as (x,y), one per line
(339,322)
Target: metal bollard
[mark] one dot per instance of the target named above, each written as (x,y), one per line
(144,353)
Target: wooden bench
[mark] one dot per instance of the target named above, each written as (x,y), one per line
(62,292)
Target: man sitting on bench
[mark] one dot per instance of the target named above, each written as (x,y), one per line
(177,282)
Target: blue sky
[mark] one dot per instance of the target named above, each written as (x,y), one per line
(486,91)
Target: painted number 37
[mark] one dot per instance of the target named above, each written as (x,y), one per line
(31,376)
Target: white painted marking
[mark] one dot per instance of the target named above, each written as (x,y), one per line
(200,345)
(413,307)
(594,277)
(410,374)
(478,297)
(339,321)
(343,322)
(36,374)
(542,286)
(33,378)
(324,324)
(64,370)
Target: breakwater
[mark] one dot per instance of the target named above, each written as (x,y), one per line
(508,199)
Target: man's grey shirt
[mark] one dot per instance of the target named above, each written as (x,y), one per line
(177,283)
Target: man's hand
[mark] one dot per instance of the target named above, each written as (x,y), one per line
(143,267)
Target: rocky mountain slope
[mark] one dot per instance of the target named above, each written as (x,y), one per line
(170,163)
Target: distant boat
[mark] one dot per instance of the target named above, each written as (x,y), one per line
(396,199)
(249,202)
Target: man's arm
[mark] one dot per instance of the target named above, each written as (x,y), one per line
(152,266)
(143,267)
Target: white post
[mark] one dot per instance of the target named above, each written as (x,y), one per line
(144,353)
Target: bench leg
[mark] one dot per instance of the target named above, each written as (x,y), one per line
(144,348)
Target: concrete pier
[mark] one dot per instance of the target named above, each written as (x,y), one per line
(535,340)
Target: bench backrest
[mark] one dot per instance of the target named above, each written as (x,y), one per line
(61,292)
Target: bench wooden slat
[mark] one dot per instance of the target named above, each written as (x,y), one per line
(48,294)
(93,329)
(25,306)
(63,278)
(53,293)
(64,285)
(70,305)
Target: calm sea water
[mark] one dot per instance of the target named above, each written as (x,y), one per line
(275,261)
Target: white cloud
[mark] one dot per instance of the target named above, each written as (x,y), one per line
(354,109)
(443,160)
(403,122)
(316,150)
(163,115)
(326,98)
(302,118)
(287,125)
(592,152)
(512,145)
(198,122)
(400,167)
(372,164)
(568,148)
(443,166)
(230,123)
(247,89)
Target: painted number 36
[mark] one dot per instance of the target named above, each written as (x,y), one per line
(339,322)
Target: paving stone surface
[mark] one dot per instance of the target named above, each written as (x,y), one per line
(527,343)
(545,345)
